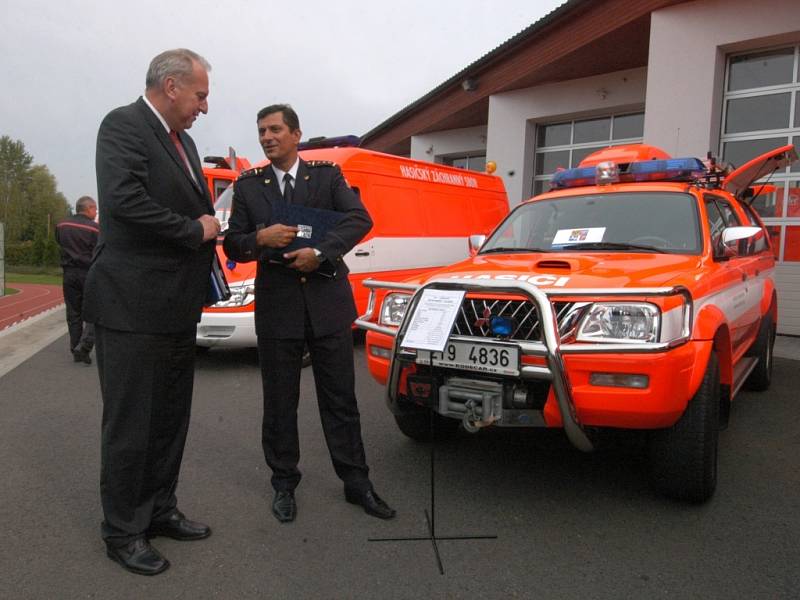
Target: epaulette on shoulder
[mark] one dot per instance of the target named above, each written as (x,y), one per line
(250,173)
(320,163)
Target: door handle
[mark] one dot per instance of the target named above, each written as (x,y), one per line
(362,252)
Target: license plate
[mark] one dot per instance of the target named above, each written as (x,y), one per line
(486,358)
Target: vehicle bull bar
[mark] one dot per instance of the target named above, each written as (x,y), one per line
(550,348)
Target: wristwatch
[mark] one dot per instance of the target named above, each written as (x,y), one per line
(318,254)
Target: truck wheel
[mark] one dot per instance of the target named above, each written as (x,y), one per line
(760,378)
(683,458)
(417,425)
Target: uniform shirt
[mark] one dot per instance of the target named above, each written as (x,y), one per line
(77,236)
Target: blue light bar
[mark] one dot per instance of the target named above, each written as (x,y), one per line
(573,177)
(672,169)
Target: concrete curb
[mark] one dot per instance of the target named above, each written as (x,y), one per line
(24,339)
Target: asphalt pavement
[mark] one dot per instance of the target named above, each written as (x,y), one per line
(568,525)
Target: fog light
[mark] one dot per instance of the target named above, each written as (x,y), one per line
(639,382)
(380,352)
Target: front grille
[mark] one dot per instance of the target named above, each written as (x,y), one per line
(471,319)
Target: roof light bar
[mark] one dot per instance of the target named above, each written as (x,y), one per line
(673,169)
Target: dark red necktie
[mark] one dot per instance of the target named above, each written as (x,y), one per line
(181,152)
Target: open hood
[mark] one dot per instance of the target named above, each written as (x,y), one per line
(743,177)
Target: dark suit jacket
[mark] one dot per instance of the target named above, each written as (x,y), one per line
(284,295)
(150,272)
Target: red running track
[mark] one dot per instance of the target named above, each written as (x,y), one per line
(32,299)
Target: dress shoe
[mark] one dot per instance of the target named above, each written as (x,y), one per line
(138,557)
(284,507)
(178,527)
(371,502)
(80,356)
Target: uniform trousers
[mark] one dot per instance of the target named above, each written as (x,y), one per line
(146,382)
(81,335)
(334,379)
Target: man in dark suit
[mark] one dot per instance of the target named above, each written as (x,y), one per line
(144,292)
(306,299)
(77,237)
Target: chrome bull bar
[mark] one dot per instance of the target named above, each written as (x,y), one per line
(550,348)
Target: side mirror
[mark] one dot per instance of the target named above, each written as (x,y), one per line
(731,236)
(475,243)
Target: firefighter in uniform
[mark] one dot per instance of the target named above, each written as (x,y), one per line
(307,300)
(77,237)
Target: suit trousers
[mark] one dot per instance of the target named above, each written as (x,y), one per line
(146,382)
(80,334)
(334,379)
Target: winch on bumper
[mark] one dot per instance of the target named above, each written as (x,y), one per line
(505,399)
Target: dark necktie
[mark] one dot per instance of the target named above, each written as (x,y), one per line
(181,152)
(288,190)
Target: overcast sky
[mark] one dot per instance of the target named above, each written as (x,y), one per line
(344,65)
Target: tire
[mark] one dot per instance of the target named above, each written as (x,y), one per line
(760,378)
(683,458)
(416,424)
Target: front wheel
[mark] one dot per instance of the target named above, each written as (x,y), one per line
(683,458)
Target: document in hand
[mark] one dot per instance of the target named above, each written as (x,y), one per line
(218,289)
(313,225)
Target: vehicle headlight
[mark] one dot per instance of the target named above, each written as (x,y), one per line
(241,295)
(393,308)
(620,322)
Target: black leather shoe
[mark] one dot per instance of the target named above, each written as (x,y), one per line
(80,356)
(371,502)
(284,507)
(178,527)
(138,557)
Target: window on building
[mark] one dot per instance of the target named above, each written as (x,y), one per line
(761,111)
(474,162)
(566,144)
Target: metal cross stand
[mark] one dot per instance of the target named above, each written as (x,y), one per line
(430,518)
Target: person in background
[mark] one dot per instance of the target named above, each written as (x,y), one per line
(77,237)
(145,292)
(306,299)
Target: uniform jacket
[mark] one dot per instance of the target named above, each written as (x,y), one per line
(150,272)
(283,295)
(77,236)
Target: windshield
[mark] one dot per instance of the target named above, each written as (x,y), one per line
(632,222)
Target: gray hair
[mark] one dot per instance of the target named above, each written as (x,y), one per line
(178,63)
(84,203)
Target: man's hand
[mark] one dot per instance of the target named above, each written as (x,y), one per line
(210,225)
(303,260)
(276,236)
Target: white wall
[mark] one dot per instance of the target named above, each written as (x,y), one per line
(688,45)
(513,116)
(442,143)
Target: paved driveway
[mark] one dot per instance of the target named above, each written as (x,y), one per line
(569,525)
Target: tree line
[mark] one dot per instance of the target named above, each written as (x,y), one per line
(30,207)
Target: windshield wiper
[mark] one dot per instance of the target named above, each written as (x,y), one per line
(612,246)
(510,250)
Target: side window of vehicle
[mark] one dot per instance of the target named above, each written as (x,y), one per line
(716,223)
(759,244)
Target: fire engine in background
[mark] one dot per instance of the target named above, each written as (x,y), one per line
(423,215)
(223,173)
(637,293)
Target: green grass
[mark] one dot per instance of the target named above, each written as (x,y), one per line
(47,275)
(9,291)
